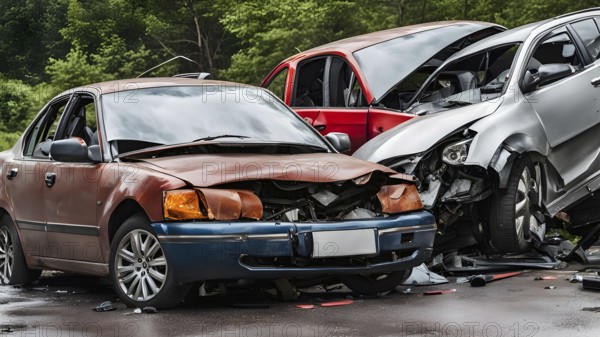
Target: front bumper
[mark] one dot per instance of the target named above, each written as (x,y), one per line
(201,251)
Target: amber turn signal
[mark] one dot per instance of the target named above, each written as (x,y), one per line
(211,204)
(399,198)
(182,205)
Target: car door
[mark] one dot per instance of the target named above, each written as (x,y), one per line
(25,182)
(328,94)
(70,191)
(281,85)
(568,108)
(380,120)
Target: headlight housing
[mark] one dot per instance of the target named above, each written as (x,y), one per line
(182,204)
(399,198)
(456,154)
(211,204)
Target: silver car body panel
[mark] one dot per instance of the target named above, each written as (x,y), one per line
(559,121)
(420,134)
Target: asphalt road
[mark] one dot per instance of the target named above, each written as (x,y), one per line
(61,305)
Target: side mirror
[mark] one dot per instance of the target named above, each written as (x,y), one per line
(546,73)
(73,150)
(340,141)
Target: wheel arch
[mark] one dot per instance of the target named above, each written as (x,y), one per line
(126,209)
(5,213)
(512,148)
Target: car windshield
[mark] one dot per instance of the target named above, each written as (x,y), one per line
(183,114)
(476,78)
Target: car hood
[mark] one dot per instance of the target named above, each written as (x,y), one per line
(421,133)
(206,170)
(388,63)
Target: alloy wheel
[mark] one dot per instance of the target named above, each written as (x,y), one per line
(529,194)
(141,266)
(7,255)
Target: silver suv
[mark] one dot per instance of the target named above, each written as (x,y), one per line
(508,135)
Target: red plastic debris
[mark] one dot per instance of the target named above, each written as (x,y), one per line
(440,292)
(337,303)
(544,278)
(305,306)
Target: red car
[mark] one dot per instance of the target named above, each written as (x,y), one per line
(359,85)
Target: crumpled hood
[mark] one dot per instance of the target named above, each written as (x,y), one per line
(213,169)
(421,133)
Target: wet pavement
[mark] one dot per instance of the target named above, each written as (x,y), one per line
(61,305)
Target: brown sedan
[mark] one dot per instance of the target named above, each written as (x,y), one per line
(159,183)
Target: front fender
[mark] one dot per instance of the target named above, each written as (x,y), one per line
(508,151)
(121,181)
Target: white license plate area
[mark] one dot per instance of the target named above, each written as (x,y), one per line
(344,243)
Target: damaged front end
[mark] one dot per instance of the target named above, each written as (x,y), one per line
(454,192)
(374,223)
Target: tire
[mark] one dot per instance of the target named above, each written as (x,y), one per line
(13,266)
(512,209)
(143,279)
(373,284)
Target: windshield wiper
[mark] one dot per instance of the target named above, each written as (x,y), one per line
(217,137)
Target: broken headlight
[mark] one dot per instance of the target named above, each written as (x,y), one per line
(211,204)
(399,198)
(456,154)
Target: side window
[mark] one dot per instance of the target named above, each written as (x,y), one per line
(354,96)
(309,84)
(590,35)
(81,121)
(37,143)
(277,84)
(344,89)
(558,48)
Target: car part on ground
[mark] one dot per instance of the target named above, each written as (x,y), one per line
(194,184)
(482,280)
(493,153)
(375,283)
(422,276)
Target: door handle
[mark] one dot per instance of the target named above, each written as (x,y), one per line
(50,179)
(320,127)
(596,81)
(12,173)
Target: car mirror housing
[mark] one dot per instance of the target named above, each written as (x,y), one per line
(554,71)
(545,74)
(94,154)
(340,141)
(70,150)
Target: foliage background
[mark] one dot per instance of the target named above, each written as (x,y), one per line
(47,46)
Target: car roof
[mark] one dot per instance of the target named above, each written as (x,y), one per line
(149,82)
(518,34)
(359,42)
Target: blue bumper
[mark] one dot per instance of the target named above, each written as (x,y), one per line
(233,250)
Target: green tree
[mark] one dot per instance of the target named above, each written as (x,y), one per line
(272,30)
(29,31)
(192,28)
